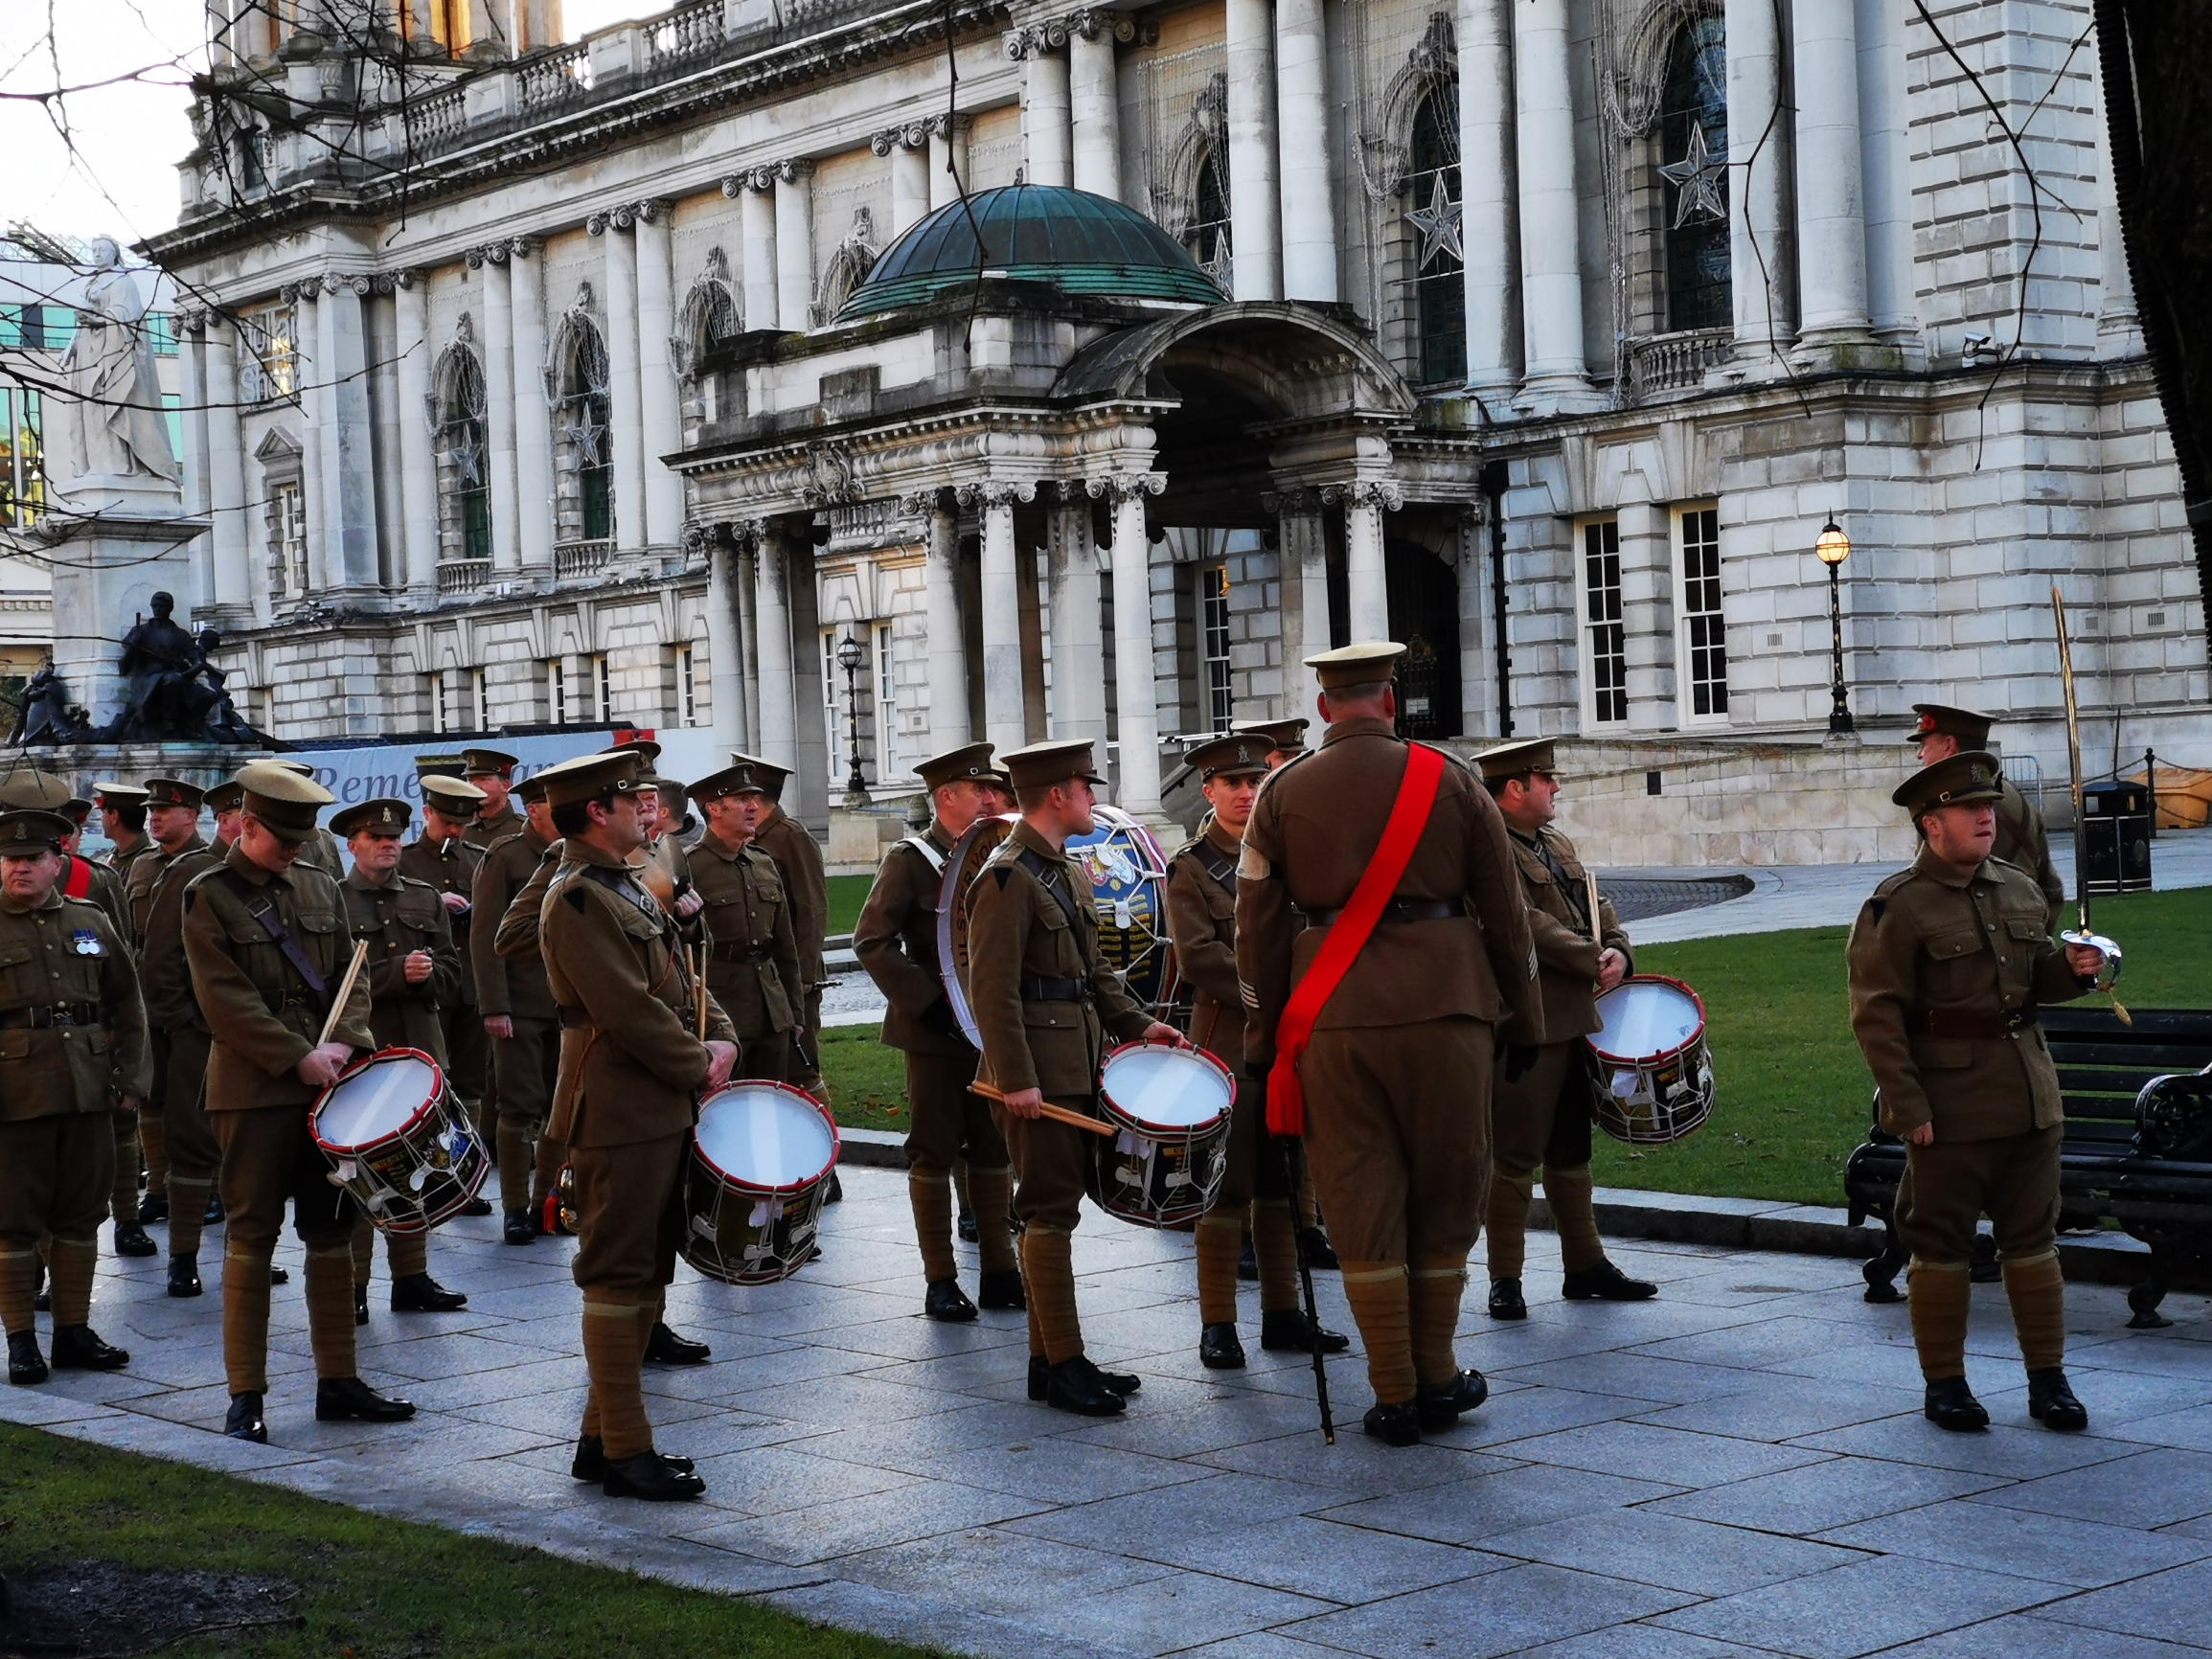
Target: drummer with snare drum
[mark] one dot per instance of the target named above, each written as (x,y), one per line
(633,1067)
(752,954)
(1043,998)
(1541,1113)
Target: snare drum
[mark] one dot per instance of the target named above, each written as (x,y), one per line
(1655,1072)
(399,1139)
(759,1171)
(1170,1106)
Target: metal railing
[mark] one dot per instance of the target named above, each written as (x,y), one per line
(581,558)
(686,33)
(463,575)
(1676,363)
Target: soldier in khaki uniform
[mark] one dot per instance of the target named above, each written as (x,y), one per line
(1396,1079)
(1202,917)
(631,1071)
(443,857)
(265,939)
(320,850)
(493,774)
(123,821)
(171,816)
(1540,1114)
(1286,740)
(519,1018)
(1940,732)
(72,1052)
(798,858)
(896,942)
(1948,961)
(414,972)
(1044,1000)
(752,955)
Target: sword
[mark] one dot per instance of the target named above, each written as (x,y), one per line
(2108,975)
(1295,1149)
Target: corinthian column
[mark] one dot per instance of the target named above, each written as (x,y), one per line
(1094,104)
(237,595)
(532,459)
(948,663)
(908,147)
(626,430)
(1830,210)
(1366,587)
(754,191)
(1304,544)
(1487,227)
(794,245)
(657,413)
(1255,210)
(500,401)
(726,669)
(1550,224)
(1302,148)
(1078,651)
(778,732)
(1759,251)
(1136,701)
(948,158)
(1005,718)
(1044,104)
(418,466)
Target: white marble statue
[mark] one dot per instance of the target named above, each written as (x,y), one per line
(113,427)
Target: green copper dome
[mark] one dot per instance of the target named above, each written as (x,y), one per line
(1078,242)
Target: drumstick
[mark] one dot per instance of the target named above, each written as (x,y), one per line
(345,990)
(1057,1114)
(698,968)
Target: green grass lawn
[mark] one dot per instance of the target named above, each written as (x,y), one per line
(847,894)
(371,1588)
(1793,1092)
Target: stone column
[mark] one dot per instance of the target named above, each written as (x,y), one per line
(1831,216)
(1366,586)
(778,731)
(1760,252)
(1648,612)
(625,429)
(1005,717)
(1094,104)
(2119,325)
(193,462)
(1302,541)
(948,661)
(499,402)
(726,669)
(417,466)
(1303,152)
(794,245)
(756,218)
(1044,112)
(348,536)
(908,147)
(533,513)
(1550,226)
(947,157)
(237,595)
(1255,209)
(1136,700)
(312,387)
(1078,646)
(1487,227)
(664,490)
(1884,114)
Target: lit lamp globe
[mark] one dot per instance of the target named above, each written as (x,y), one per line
(1834,546)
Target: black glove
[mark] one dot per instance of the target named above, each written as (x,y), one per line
(939,1020)
(1520,1061)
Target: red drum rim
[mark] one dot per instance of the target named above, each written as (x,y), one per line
(1664,1055)
(737,1183)
(1129,1120)
(355,1070)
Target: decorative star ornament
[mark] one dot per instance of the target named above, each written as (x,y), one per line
(1699,180)
(1437,224)
(464,459)
(585,436)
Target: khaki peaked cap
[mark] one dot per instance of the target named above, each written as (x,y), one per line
(452,796)
(488,764)
(26,831)
(284,799)
(386,815)
(1513,760)
(1042,764)
(226,797)
(1970,726)
(109,794)
(172,792)
(971,761)
(592,777)
(1962,780)
(1369,663)
(1231,757)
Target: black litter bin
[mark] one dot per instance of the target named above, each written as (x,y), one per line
(2115,831)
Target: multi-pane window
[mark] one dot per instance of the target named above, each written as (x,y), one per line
(38,328)
(556,691)
(1214,645)
(22,474)
(288,517)
(833,722)
(1694,164)
(1432,221)
(464,474)
(687,689)
(1605,641)
(1207,234)
(586,410)
(271,368)
(480,699)
(887,765)
(442,700)
(161,334)
(602,690)
(1704,638)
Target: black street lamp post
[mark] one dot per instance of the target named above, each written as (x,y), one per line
(850,655)
(1832,548)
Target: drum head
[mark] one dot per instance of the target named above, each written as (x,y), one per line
(766,1136)
(1165,1089)
(378,1100)
(1646,1018)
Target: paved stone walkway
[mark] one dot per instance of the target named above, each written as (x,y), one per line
(1739,1467)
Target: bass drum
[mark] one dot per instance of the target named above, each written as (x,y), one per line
(962,865)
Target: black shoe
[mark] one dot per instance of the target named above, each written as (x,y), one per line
(666,1348)
(25,1364)
(243,1419)
(1605,1282)
(836,1192)
(477,1207)
(131,1239)
(1950,1404)
(1219,1348)
(1002,1290)
(1394,1424)
(284,1276)
(1078,1386)
(1286,1330)
(1439,1408)
(965,1227)
(214,1215)
(1113,1381)
(946,1301)
(520,1228)
(1247,1263)
(152,1208)
(42,1291)
(338,1398)
(1316,1250)
(78,1347)
(1039,1377)
(651,1477)
(590,1460)
(361,1302)
(2050,1401)
(420,1293)
(184,1275)
(1506,1301)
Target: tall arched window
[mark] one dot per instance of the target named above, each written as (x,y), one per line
(1207,234)
(1694,163)
(1432,221)
(584,508)
(464,506)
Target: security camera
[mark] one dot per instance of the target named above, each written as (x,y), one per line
(1975,345)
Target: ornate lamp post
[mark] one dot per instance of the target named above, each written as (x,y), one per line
(1832,548)
(851,653)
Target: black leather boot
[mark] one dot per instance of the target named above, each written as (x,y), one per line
(1394,1424)
(666,1348)
(1314,1248)
(1002,1290)
(42,1291)
(284,1276)
(2051,1402)
(1950,1404)
(131,1239)
(78,1347)
(338,1398)
(965,1227)
(945,1301)
(651,1477)
(590,1460)
(214,1215)
(1286,1330)
(1078,1386)
(26,1365)
(420,1293)
(1506,1301)
(1113,1381)
(1247,1263)
(1219,1348)
(184,1275)
(361,1302)
(1605,1282)
(1440,1408)
(477,1207)
(520,1228)
(243,1419)
(836,1192)
(152,1208)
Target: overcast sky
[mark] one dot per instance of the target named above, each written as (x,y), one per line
(127,136)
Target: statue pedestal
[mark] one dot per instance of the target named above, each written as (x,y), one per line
(87,764)
(116,541)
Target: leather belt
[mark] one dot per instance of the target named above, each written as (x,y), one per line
(1035,987)
(746,953)
(1397,910)
(44,1017)
(1951,1023)
(575,1019)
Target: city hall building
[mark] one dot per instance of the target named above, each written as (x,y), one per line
(857,376)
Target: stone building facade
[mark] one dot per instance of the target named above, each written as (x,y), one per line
(530,389)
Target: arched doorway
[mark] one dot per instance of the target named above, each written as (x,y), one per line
(1423,593)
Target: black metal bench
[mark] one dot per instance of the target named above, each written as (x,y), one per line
(2110,1165)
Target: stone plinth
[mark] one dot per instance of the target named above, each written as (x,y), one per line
(87,764)
(115,543)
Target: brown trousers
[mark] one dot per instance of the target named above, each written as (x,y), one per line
(767,1058)
(1398,1135)
(1259,1166)
(630,1215)
(194,1151)
(946,1122)
(1948,1187)
(1053,1165)
(54,1177)
(268,1159)
(1527,1129)
(525,1066)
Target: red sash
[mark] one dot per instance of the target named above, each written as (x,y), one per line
(77,882)
(1408,817)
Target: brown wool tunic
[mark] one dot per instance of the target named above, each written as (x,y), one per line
(485,833)
(752,955)
(894,942)
(66,952)
(144,874)
(398,918)
(513,986)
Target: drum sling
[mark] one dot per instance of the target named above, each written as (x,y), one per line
(1348,937)
(263,910)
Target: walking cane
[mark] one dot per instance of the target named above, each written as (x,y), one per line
(1297,1157)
